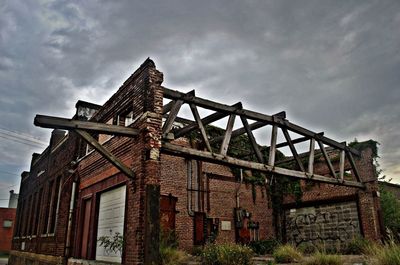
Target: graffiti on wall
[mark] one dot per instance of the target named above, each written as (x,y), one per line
(324,225)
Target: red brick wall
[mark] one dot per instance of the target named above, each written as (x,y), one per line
(6,232)
(142,94)
(367,201)
(222,194)
(55,162)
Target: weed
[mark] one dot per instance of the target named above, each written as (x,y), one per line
(287,254)
(226,254)
(321,258)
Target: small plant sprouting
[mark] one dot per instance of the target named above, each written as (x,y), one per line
(113,243)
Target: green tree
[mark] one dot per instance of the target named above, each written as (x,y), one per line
(390,210)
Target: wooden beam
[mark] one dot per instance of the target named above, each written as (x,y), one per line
(252,139)
(96,127)
(105,153)
(240,131)
(341,165)
(169,148)
(327,159)
(354,166)
(311,156)
(207,120)
(201,126)
(293,149)
(208,104)
(167,107)
(272,148)
(228,134)
(171,117)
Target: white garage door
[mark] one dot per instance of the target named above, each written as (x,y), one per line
(111,221)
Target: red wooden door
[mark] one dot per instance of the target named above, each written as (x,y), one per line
(167,212)
(86,226)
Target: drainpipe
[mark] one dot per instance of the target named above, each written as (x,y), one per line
(69,228)
(189,188)
(238,188)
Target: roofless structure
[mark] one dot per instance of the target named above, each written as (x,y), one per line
(138,129)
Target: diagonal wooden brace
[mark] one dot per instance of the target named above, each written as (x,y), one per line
(105,153)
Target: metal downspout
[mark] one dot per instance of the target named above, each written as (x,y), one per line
(69,227)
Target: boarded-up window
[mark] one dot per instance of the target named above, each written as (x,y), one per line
(167,212)
(199,228)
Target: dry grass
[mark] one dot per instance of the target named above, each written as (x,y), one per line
(287,254)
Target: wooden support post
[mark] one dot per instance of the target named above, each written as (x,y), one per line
(171,117)
(201,127)
(311,157)
(167,107)
(293,149)
(353,166)
(253,142)
(105,153)
(327,159)
(341,164)
(272,148)
(228,134)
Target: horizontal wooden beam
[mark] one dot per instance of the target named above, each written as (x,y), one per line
(96,127)
(172,149)
(281,122)
(296,141)
(105,153)
(240,131)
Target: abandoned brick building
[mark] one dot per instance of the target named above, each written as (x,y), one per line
(133,167)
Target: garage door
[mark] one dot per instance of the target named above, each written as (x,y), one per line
(111,221)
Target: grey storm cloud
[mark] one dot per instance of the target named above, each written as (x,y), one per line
(332,65)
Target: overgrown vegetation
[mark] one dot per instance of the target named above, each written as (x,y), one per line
(169,254)
(391,211)
(226,254)
(321,258)
(263,247)
(388,254)
(113,243)
(287,254)
(357,246)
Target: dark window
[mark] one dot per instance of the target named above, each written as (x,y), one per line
(55,204)
(47,207)
(38,204)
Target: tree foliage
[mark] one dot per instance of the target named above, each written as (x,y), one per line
(390,210)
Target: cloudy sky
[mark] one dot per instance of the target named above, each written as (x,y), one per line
(333,66)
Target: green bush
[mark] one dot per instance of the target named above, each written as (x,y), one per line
(390,210)
(384,255)
(226,254)
(172,256)
(287,254)
(321,258)
(356,246)
(263,247)
(307,248)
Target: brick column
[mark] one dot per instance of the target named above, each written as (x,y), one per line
(367,199)
(142,220)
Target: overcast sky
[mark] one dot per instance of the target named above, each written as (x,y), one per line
(333,66)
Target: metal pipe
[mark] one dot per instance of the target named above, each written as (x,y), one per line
(238,189)
(69,227)
(189,187)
